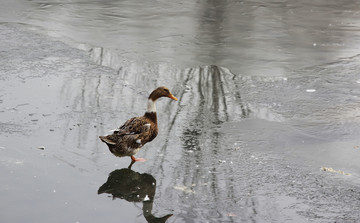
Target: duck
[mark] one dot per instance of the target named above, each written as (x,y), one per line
(129,138)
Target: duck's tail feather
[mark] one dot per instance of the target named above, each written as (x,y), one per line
(106,140)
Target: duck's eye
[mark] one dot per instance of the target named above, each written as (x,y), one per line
(166,90)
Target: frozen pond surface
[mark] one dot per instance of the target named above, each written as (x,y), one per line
(268,99)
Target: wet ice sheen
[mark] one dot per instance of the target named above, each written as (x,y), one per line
(250,37)
(244,143)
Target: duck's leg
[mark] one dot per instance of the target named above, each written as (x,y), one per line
(132,162)
(137,159)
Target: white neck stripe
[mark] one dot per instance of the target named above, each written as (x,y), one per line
(151,106)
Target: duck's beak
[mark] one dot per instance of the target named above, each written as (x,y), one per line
(172,97)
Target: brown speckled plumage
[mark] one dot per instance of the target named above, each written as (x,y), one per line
(136,132)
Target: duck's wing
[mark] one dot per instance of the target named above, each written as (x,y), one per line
(136,125)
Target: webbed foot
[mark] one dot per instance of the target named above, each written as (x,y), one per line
(137,159)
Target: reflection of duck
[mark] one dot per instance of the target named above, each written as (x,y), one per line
(136,132)
(133,187)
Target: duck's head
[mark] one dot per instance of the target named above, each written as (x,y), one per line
(161,92)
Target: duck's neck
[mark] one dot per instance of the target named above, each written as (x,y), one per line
(151,110)
(151,107)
